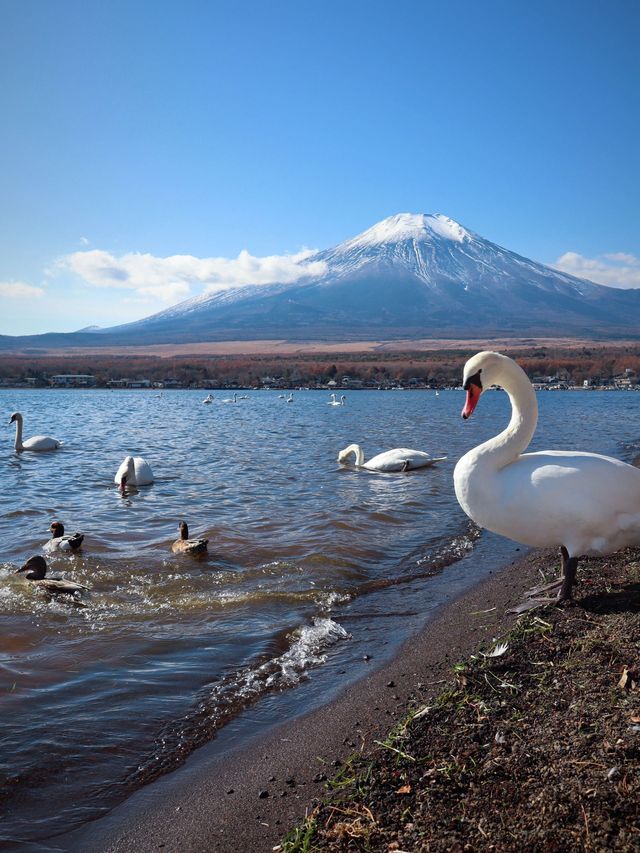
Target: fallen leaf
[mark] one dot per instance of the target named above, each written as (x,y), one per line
(405,789)
(635,719)
(624,678)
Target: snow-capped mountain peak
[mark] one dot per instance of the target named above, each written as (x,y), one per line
(411,226)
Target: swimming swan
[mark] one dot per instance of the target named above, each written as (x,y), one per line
(584,503)
(38,442)
(60,542)
(134,471)
(208,399)
(35,570)
(399,459)
(184,545)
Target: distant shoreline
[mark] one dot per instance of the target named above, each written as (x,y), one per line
(283,365)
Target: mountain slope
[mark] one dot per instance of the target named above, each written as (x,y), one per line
(411,275)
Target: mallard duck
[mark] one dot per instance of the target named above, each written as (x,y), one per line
(184,545)
(36,569)
(60,542)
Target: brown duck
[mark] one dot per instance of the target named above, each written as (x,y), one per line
(184,545)
(36,570)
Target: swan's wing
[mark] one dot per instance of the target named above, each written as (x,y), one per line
(397,459)
(143,472)
(588,502)
(41,442)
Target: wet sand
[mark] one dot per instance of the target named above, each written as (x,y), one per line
(248,798)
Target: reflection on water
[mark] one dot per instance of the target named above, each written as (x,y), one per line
(99,699)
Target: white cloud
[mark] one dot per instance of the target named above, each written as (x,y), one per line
(84,241)
(616,269)
(19,290)
(172,278)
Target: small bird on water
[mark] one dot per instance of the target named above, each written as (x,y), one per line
(36,570)
(61,542)
(184,545)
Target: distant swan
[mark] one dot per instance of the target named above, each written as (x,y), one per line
(35,570)
(290,398)
(399,459)
(583,503)
(184,545)
(334,402)
(60,542)
(208,399)
(38,442)
(134,471)
(229,400)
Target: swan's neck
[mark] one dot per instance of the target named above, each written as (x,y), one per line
(355,448)
(18,444)
(514,440)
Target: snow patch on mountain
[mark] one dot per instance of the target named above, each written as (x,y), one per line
(410,226)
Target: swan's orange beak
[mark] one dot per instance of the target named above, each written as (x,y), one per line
(473,395)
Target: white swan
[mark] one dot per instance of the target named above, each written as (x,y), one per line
(208,399)
(38,442)
(290,398)
(230,400)
(584,503)
(399,459)
(134,471)
(334,402)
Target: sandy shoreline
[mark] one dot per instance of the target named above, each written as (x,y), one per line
(219,807)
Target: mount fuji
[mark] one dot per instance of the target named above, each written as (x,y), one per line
(409,276)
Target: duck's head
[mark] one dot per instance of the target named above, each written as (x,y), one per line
(35,567)
(184,530)
(481,371)
(15,417)
(57,529)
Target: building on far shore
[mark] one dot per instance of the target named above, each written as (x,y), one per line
(73,380)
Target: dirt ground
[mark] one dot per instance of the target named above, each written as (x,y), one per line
(532,747)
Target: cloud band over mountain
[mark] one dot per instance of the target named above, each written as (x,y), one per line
(172,278)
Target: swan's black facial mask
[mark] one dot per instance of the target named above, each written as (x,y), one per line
(473,380)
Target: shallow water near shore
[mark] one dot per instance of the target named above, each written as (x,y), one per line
(310,565)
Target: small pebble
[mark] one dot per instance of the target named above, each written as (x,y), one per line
(263,795)
(230,791)
(391,684)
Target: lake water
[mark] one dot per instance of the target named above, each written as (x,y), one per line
(311,564)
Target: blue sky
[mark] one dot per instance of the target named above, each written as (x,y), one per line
(137,131)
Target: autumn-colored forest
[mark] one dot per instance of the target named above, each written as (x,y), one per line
(436,368)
